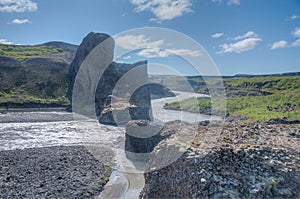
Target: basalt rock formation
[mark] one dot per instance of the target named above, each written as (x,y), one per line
(248,160)
(141,137)
(114,89)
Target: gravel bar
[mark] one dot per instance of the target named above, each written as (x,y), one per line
(22,117)
(53,172)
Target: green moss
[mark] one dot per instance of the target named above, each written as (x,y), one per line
(107,169)
(25,52)
(268,83)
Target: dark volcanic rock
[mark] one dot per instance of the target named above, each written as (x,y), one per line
(119,102)
(8,62)
(247,161)
(158,91)
(115,88)
(55,172)
(141,137)
(87,45)
(9,66)
(283,121)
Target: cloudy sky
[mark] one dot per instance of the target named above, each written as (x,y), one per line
(241,36)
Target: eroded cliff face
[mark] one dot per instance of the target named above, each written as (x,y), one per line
(34,76)
(114,89)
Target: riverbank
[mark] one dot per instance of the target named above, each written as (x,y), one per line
(31,115)
(258,98)
(51,172)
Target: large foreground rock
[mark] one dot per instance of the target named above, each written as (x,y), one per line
(247,161)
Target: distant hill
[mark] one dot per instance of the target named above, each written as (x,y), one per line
(37,75)
(34,74)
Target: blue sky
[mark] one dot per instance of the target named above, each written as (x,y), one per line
(241,36)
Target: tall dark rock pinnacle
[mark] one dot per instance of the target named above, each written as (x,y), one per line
(119,93)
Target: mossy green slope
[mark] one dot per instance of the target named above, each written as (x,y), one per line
(260,98)
(33,76)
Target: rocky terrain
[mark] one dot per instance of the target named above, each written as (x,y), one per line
(55,172)
(256,160)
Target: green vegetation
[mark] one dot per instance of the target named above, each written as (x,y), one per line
(266,83)
(31,83)
(260,98)
(25,52)
(25,100)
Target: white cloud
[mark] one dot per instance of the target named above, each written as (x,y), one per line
(293,17)
(4,41)
(296,43)
(240,46)
(233,2)
(157,52)
(246,35)
(151,49)
(17,6)
(296,32)
(130,42)
(153,52)
(279,44)
(217,35)
(156,20)
(20,21)
(163,9)
(246,42)
(229,2)
(188,52)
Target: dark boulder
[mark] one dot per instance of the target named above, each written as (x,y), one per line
(141,138)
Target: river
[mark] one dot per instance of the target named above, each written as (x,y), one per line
(19,130)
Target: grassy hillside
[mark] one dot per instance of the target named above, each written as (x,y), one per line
(34,76)
(26,52)
(260,98)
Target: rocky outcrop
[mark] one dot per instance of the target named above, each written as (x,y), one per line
(141,137)
(118,104)
(87,45)
(118,95)
(248,161)
(158,91)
